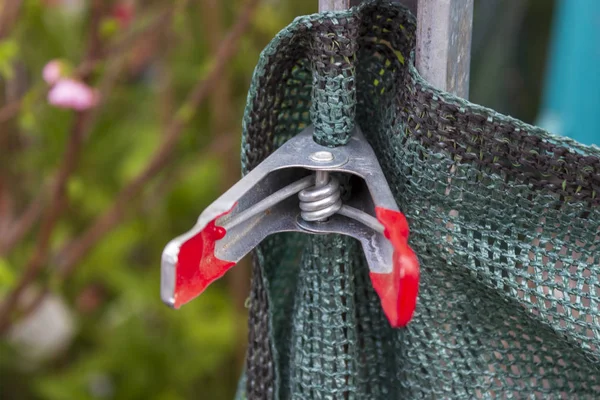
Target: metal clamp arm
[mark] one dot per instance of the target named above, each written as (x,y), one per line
(263,203)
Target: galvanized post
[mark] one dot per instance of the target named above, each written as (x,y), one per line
(411,4)
(443,55)
(333,5)
(444,44)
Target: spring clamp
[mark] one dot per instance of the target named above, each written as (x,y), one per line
(264,202)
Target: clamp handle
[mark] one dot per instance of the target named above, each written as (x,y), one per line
(398,289)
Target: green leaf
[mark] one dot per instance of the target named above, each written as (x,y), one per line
(185,113)
(109,27)
(8,54)
(7,276)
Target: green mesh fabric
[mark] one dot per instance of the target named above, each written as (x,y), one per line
(504,217)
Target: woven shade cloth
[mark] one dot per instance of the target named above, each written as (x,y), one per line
(504,218)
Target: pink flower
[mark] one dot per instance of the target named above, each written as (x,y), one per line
(123,13)
(53,71)
(72,94)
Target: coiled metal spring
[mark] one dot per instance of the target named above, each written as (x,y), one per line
(321,201)
(320,198)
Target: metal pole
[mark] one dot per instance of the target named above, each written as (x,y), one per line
(444,44)
(326,5)
(443,56)
(333,5)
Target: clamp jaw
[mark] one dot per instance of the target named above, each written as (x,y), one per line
(265,202)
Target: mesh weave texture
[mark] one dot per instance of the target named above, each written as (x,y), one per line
(504,218)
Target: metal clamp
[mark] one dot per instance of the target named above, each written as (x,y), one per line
(265,202)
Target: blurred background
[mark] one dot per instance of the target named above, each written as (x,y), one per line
(119,122)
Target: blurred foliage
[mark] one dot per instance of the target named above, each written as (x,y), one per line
(509,54)
(126,343)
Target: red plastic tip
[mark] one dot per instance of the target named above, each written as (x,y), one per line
(398,289)
(197,266)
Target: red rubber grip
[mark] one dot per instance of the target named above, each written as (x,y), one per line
(398,289)
(197,266)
